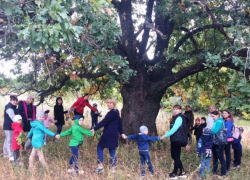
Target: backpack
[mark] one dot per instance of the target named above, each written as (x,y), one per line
(236,132)
(220,138)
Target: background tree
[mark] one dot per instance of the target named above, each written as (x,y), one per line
(157,44)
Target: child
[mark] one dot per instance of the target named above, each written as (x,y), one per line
(37,132)
(59,114)
(204,151)
(46,122)
(95,116)
(76,140)
(17,129)
(237,147)
(143,146)
(199,127)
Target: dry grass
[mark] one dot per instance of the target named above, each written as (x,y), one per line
(128,165)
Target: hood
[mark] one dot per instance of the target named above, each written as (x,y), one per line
(219,119)
(35,123)
(207,131)
(76,122)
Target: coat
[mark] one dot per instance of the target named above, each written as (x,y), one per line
(229,125)
(7,119)
(80,104)
(37,133)
(143,140)
(190,121)
(77,133)
(205,143)
(59,114)
(112,127)
(47,120)
(18,128)
(23,110)
(236,143)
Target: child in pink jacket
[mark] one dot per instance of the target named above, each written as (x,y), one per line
(46,121)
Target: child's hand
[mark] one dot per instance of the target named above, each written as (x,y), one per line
(124,136)
(93,132)
(163,137)
(55,121)
(187,147)
(57,136)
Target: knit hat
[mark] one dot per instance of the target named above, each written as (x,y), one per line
(203,118)
(40,113)
(17,117)
(198,119)
(241,129)
(207,131)
(143,129)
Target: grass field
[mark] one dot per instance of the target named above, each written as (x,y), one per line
(128,166)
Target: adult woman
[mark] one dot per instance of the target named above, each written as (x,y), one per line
(59,114)
(218,150)
(178,139)
(228,119)
(112,127)
(9,114)
(28,112)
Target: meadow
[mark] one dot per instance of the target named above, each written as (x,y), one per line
(57,155)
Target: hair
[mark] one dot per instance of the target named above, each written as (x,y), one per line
(57,100)
(188,106)
(215,113)
(177,106)
(113,100)
(230,114)
(30,96)
(212,106)
(46,112)
(13,98)
(86,94)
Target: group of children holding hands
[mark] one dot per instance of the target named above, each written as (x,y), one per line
(40,129)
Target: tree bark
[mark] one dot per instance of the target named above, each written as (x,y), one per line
(140,106)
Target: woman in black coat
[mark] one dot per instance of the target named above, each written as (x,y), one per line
(59,114)
(112,127)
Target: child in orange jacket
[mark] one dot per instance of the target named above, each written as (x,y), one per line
(17,129)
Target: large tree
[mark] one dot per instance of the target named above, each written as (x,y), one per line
(153,45)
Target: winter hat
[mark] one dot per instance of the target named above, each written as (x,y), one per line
(198,119)
(203,118)
(17,117)
(94,105)
(241,129)
(40,113)
(143,129)
(207,131)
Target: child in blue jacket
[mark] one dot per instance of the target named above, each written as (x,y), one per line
(237,147)
(204,151)
(143,146)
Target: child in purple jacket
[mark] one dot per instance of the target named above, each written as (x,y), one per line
(237,147)
(143,146)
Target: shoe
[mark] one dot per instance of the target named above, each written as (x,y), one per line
(80,171)
(142,176)
(238,166)
(173,176)
(99,170)
(113,171)
(182,175)
(11,158)
(20,163)
(71,170)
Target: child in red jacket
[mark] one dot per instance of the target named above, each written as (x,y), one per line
(18,128)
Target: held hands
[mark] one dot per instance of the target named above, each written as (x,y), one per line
(57,136)
(187,147)
(124,136)
(55,121)
(163,137)
(93,132)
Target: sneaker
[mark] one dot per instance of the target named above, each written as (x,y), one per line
(80,171)
(238,166)
(113,171)
(173,176)
(20,163)
(11,158)
(71,170)
(99,170)
(142,176)
(182,175)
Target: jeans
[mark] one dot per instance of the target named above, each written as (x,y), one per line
(218,154)
(205,166)
(112,155)
(74,157)
(144,155)
(176,156)
(59,128)
(237,157)
(228,155)
(7,151)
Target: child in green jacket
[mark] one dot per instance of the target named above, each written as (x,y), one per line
(76,140)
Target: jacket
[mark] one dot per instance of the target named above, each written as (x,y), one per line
(18,128)
(181,134)
(205,143)
(236,143)
(59,114)
(143,140)
(218,123)
(112,127)
(190,121)
(47,120)
(94,115)
(198,130)
(37,132)
(77,133)
(26,112)
(210,121)
(80,104)
(229,125)
(7,119)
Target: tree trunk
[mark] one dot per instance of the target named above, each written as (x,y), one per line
(140,106)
